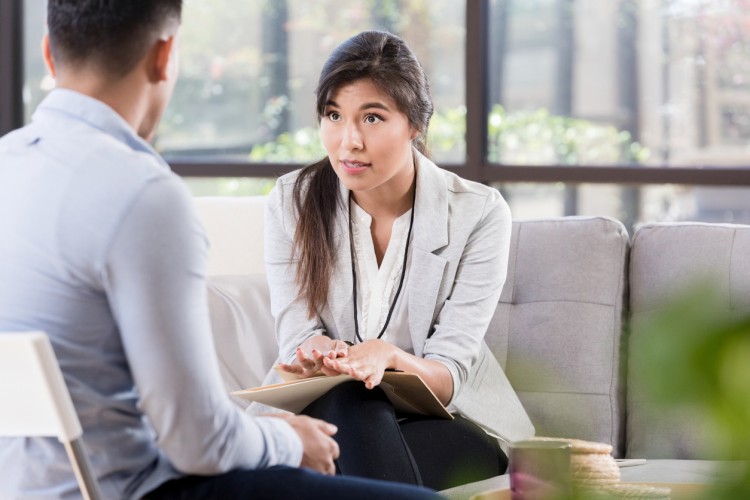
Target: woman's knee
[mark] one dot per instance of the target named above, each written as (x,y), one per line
(349,397)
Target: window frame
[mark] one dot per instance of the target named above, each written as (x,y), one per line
(475,166)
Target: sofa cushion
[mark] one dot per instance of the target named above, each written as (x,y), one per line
(666,260)
(234,227)
(556,330)
(683,471)
(243,329)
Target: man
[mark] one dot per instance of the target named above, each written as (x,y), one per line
(102,251)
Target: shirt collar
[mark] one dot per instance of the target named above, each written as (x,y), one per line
(95,113)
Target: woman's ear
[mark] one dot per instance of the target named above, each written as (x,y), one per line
(47,55)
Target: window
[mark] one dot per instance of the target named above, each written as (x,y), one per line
(643,105)
(639,84)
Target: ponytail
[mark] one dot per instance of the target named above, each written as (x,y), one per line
(316,199)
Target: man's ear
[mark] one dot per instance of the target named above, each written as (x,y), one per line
(47,55)
(162,55)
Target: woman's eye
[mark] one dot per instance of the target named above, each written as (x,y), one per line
(333,116)
(373,119)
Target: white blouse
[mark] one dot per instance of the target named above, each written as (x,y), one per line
(376,287)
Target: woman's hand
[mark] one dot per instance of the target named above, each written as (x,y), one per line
(310,356)
(365,362)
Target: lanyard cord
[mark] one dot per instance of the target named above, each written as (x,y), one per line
(403,268)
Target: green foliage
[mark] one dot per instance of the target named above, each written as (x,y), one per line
(523,138)
(302,146)
(539,138)
(229,186)
(447,130)
(695,355)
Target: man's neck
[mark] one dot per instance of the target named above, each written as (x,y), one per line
(122,95)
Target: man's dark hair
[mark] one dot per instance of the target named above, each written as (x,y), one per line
(111,34)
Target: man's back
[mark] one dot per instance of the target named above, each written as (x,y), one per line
(101,249)
(66,185)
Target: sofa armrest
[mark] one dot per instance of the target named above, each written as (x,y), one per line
(242,328)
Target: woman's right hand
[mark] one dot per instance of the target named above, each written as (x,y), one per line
(310,355)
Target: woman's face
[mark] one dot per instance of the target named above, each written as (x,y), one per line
(368,140)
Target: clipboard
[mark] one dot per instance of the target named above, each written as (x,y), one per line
(407,391)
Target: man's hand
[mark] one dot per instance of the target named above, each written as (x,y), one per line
(320,449)
(310,355)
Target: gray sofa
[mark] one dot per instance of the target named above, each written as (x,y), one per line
(560,330)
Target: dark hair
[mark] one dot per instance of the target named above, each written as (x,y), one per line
(112,34)
(390,65)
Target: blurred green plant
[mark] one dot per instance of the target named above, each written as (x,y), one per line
(522,138)
(537,137)
(229,186)
(302,146)
(694,356)
(446,132)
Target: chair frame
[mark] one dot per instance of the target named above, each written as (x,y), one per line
(36,349)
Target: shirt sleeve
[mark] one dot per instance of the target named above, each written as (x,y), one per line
(155,281)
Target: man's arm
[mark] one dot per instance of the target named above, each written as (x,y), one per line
(155,282)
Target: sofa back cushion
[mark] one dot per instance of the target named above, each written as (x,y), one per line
(557,328)
(666,260)
(234,226)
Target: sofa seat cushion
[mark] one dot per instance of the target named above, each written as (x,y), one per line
(682,471)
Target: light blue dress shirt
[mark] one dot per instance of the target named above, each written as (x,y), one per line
(101,249)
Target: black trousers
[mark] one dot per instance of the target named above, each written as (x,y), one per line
(377,443)
(284,483)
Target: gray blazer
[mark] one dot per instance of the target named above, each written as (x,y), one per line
(461,241)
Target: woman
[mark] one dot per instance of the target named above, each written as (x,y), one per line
(377,259)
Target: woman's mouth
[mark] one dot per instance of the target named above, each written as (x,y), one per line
(354,167)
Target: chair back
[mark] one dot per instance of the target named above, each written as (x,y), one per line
(36,401)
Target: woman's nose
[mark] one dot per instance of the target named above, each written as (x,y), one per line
(352,138)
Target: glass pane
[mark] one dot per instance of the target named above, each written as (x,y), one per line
(37,82)
(630,204)
(229,186)
(650,82)
(249,69)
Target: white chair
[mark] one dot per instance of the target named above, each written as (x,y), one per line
(36,402)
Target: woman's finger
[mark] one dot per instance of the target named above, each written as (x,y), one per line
(304,359)
(373,380)
(296,369)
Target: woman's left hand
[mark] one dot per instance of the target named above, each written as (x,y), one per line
(366,361)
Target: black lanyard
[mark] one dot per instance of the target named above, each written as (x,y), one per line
(403,269)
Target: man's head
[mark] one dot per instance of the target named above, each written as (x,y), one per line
(111,36)
(121,52)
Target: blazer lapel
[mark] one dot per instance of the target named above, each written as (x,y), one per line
(430,234)
(340,292)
